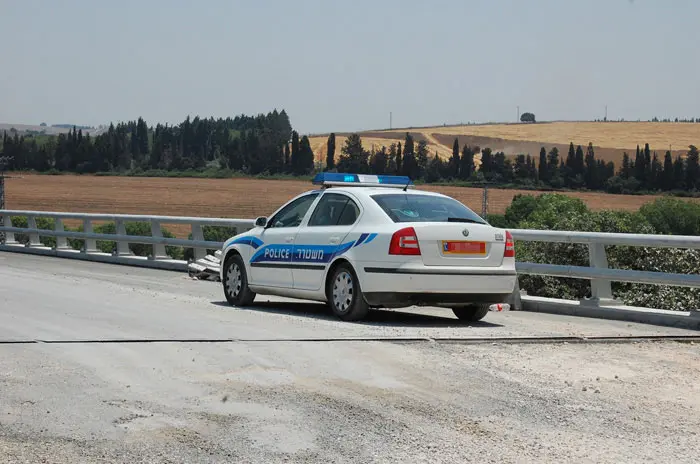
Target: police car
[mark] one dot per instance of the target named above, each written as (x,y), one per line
(364,241)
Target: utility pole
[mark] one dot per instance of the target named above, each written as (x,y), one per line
(517,118)
(606,113)
(485,201)
(390,121)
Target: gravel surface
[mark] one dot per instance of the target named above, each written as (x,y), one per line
(281,400)
(350,402)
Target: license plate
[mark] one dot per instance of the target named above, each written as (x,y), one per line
(463,248)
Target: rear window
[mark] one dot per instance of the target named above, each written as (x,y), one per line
(424,208)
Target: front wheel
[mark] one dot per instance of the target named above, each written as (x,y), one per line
(471,313)
(235,282)
(345,295)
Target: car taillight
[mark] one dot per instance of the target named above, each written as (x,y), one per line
(404,242)
(509,252)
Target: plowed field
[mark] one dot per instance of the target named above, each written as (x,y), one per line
(229,198)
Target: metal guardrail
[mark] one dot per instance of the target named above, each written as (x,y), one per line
(122,255)
(598,273)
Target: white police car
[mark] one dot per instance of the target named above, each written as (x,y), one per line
(362,242)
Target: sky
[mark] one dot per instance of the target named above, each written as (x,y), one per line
(345,66)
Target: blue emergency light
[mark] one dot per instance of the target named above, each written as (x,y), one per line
(328,179)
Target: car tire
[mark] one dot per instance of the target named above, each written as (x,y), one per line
(471,313)
(345,295)
(235,282)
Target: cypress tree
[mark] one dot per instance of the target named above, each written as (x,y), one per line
(542,167)
(466,168)
(330,154)
(295,152)
(692,169)
(678,173)
(592,168)
(667,175)
(639,165)
(455,161)
(399,160)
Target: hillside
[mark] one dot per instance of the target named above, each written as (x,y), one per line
(610,139)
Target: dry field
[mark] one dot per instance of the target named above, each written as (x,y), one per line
(610,139)
(229,198)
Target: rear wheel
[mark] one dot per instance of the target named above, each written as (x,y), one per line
(345,295)
(471,313)
(235,282)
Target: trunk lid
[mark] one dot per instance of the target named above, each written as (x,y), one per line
(460,244)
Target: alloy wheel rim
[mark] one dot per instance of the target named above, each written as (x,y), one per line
(343,291)
(234,280)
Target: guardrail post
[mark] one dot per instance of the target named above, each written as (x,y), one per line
(158,249)
(198,234)
(33,237)
(601,290)
(122,247)
(61,242)
(90,244)
(9,236)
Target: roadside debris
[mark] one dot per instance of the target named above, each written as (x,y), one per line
(206,268)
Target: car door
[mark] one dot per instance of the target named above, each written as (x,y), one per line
(322,237)
(270,265)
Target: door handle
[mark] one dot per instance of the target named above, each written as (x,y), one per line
(334,240)
(288,239)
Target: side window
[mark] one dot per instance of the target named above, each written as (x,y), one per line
(334,209)
(292,214)
(350,214)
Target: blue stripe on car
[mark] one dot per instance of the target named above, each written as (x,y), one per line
(319,254)
(252,241)
(285,253)
(361,239)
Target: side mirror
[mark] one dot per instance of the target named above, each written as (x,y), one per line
(261,221)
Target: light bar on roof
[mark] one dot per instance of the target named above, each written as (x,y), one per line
(361,180)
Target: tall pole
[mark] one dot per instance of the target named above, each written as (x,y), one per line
(390,117)
(517,118)
(606,112)
(485,201)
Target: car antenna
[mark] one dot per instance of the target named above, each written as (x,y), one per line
(407,184)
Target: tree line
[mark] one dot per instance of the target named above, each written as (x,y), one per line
(578,169)
(249,144)
(267,144)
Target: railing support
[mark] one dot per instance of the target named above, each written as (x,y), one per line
(90,244)
(158,250)
(33,238)
(601,290)
(61,242)
(9,236)
(198,234)
(122,247)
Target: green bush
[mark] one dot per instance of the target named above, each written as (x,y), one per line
(212,234)
(497,220)
(673,216)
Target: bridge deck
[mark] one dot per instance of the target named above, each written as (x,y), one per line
(349,401)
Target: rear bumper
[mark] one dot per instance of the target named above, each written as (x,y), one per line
(408,285)
(403,299)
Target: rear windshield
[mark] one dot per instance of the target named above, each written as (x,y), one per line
(425,208)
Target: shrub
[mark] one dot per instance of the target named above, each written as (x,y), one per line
(212,234)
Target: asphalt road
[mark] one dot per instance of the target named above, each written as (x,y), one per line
(99,363)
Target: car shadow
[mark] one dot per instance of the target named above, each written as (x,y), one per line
(376,317)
